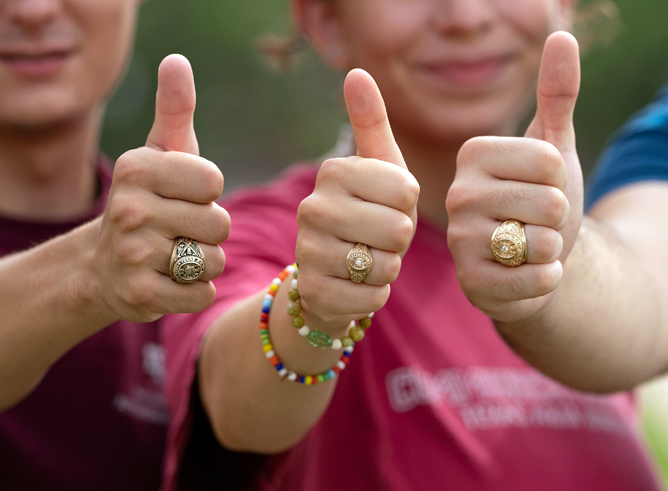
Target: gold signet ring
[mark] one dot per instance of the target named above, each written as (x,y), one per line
(188,263)
(509,243)
(359,262)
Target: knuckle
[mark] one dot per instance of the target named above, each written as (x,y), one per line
(332,170)
(141,293)
(470,151)
(543,280)
(549,162)
(555,207)
(393,268)
(409,192)
(549,245)
(459,198)
(219,224)
(217,262)
(400,234)
(127,213)
(379,298)
(214,182)
(311,212)
(130,168)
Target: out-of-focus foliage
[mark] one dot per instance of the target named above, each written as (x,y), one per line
(252,121)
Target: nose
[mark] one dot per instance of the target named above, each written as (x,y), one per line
(30,14)
(463,18)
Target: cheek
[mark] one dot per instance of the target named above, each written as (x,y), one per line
(381,28)
(109,34)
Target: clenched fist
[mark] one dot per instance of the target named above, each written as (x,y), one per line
(537,180)
(370,198)
(159,192)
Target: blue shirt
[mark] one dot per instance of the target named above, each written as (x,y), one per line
(637,152)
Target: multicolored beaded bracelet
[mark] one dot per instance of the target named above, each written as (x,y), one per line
(321,339)
(269,352)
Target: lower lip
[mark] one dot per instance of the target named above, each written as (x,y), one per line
(470,74)
(35,67)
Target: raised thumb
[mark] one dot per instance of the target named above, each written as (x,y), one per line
(174,108)
(558,88)
(368,117)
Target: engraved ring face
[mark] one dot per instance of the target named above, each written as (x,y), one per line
(509,243)
(359,263)
(188,263)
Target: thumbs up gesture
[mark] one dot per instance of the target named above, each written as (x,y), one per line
(536,180)
(160,192)
(371,199)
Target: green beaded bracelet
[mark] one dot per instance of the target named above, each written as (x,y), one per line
(321,339)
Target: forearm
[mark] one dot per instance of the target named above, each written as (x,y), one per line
(605,328)
(45,309)
(250,408)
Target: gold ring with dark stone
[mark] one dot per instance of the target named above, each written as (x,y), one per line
(509,243)
(188,263)
(359,262)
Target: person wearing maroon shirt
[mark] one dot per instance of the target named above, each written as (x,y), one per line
(432,398)
(84,276)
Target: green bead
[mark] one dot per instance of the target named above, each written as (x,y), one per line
(319,339)
(320,378)
(293,295)
(356,334)
(347,341)
(294,308)
(264,331)
(365,323)
(295,275)
(298,322)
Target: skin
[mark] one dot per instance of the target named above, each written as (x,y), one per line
(116,266)
(448,70)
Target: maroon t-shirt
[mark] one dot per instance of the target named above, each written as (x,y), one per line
(97,421)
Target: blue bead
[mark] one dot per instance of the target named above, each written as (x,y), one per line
(279,367)
(302,379)
(265,310)
(331,374)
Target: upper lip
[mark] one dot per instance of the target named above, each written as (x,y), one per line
(35,50)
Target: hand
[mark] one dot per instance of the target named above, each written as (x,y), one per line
(370,198)
(159,192)
(537,180)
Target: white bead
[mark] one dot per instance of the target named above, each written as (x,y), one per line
(276,281)
(282,372)
(349,349)
(341,365)
(336,344)
(293,284)
(370,315)
(292,376)
(268,297)
(304,331)
(351,325)
(269,353)
(291,269)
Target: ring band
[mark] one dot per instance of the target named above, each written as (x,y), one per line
(188,263)
(359,262)
(509,243)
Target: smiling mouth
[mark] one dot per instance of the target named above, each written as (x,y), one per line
(35,64)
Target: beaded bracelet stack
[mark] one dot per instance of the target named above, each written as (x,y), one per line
(321,339)
(269,349)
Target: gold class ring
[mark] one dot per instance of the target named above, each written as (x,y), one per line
(509,243)
(359,263)
(188,263)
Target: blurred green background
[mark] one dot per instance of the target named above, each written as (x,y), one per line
(253,121)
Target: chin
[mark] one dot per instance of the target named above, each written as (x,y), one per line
(38,111)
